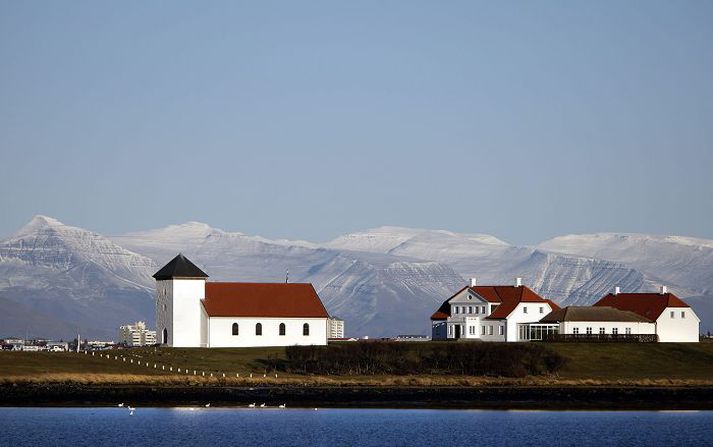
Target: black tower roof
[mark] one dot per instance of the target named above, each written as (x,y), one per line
(179,267)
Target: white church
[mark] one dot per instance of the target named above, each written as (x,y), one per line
(192,312)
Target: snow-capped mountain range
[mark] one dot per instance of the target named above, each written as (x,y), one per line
(57,279)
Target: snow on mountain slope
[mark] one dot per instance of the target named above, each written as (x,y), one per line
(675,260)
(77,277)
(414,242)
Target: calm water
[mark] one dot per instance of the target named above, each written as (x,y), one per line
(219,427)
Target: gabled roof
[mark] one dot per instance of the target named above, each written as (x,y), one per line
(648,305)
(179,267)
(510,297)
(589,313)
(243,299)
(507,298)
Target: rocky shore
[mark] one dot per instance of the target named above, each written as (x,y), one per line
(490,397)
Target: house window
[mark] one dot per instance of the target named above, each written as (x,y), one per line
(673,314)
(305,329)
(575,331)
(615,331)
(477,309)
(483,310)
(470,309)
(627,331)
(683,314)
(490,330)
(258,329)
(602,331)
(524,309)
(235,329)
(542,310)
(501,331)
(589,331)
(457,309)
(282,328)
(472,330)
(482,331)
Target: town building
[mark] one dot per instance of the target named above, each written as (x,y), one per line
(194,312)
(136,335)
(675,321)
(488,313)
(335,328)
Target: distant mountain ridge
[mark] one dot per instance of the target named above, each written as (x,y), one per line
(384,281)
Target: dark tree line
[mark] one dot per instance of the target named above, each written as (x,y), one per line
(372,358)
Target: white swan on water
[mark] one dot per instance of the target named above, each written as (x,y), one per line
(120,405)
(262,405)
(252,405)
(207,405)
(282,405)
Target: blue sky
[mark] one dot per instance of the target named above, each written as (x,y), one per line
(311,119)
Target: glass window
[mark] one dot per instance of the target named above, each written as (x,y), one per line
(305,329)
(575,331)
(235,329)
(589,331)
(482,330)
(490,330)
(602,331)
(542,310)
(683,314)
(673,314)
(457,309)
(524,309)
(483,310)
(470,309)
(615,331)
(477,309)
(627,331)
(282,328)
(501,331)
(258,329)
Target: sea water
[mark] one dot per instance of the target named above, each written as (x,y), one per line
(259,427)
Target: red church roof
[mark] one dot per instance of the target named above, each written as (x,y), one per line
(242,299)
(507,298)
(648,305)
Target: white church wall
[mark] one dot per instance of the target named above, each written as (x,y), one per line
(164,312)
(187,312)
(220,332)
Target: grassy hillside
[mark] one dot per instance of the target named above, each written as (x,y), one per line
(596,363)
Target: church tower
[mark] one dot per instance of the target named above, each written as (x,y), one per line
(180,318)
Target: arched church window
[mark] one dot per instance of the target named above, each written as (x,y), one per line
(282,328)
(258,329)
(235,329)
(305,329)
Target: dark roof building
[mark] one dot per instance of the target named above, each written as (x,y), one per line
(587,313)
(179,267)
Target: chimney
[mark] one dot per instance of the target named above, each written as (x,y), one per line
(473,282)
(617,290)
(518,282)
(664,290)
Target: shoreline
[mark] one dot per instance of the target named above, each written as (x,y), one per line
(491,397)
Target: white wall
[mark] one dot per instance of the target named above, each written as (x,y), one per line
(187,313)
(535,312)
(567,327)
(678,329)
(164,311)
(221,330)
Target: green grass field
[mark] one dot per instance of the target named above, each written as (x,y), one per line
(600,363)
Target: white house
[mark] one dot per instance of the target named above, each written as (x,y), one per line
(488,313)
(194,312)
(674,319)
